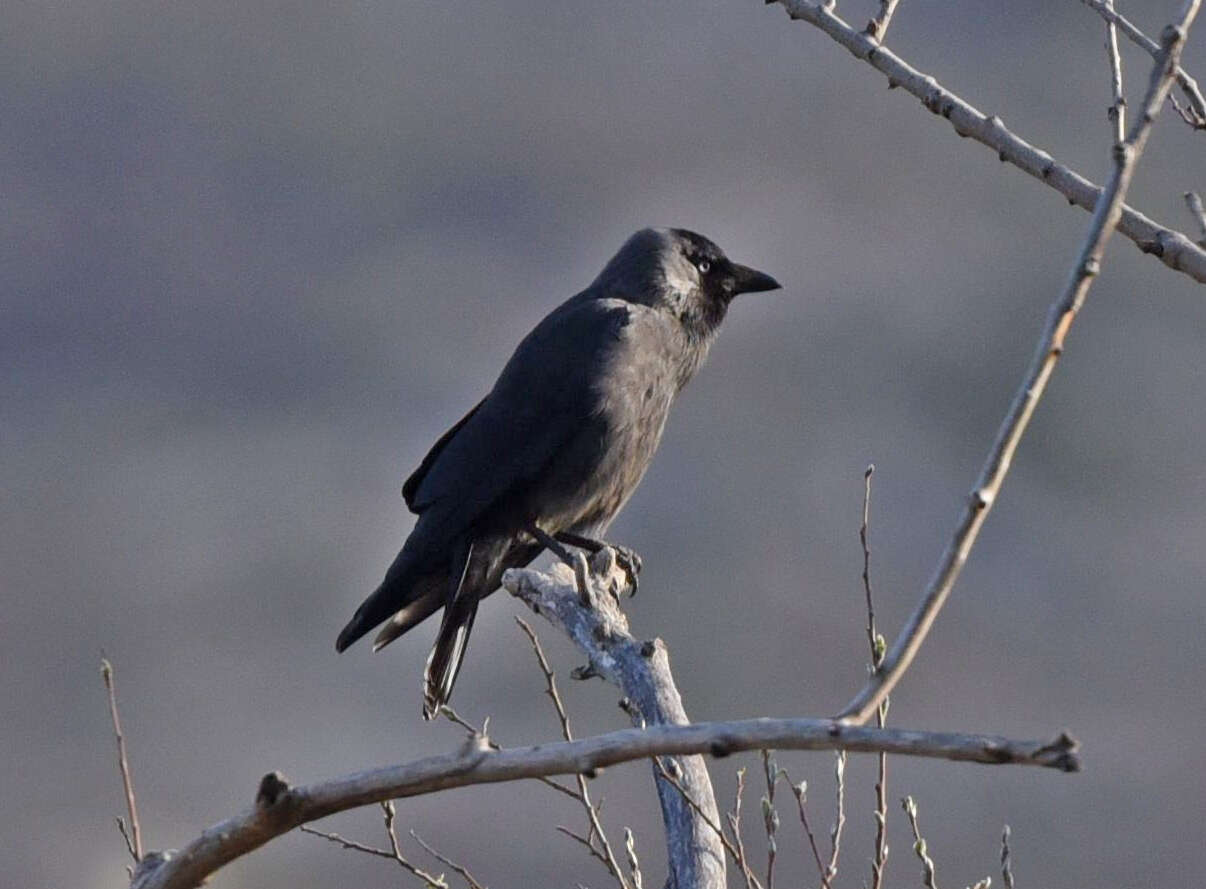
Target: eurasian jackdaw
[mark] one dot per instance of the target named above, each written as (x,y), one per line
(556,448)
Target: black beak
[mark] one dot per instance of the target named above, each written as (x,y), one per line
(748,280)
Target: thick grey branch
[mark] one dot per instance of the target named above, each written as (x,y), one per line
(641,670)
(476,763)
(1051,345)
(1175,250)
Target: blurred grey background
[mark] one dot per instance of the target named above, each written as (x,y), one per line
(256,257)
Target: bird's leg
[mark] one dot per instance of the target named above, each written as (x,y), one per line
(549,543)
(626,558)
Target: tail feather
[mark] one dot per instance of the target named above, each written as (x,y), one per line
(444,662)
(446,656)
(430,598)
(400,590)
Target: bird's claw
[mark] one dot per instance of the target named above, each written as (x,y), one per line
(630,561)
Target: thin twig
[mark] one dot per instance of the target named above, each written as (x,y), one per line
(1199,214)
(919,846)
(394,853)
(585,841)
(1117,111)
(134,838)
(880,859)
(1195,116)
(878,26)
(801,793)
(634,864)
(346,843)
(1051,345)
(734,819)
(390,813)
(1006,859)
(770,816)
(592,813)
(455,718)
(839,822)
(1171,247)
(863,539)
(469,879)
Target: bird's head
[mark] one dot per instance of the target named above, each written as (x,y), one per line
(683,273)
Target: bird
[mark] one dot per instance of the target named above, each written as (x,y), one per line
(556,448)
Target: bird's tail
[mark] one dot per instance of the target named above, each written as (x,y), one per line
(446,656)
(406,596)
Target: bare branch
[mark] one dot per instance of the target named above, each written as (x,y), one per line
(878,26)
(1051,345)
(670,778)
(390,814)
(592,813)
(353,845)
(394,853)
(1173,248)
(641,670)
(583,795)
(585,841)
(1195,115)
(469,879)
(134,837)
(1199,214)
(1117,111)
(455,718)
(478,764)
(919,846)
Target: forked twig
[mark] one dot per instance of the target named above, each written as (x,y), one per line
(394,853)
(878,26)
(1195,115)
(456,719)
(1051,345)
(592,813)
(469,879)
(1171,247)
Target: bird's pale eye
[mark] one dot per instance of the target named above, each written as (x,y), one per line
(704,266)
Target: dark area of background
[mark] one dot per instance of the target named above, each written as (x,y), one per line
(257,257)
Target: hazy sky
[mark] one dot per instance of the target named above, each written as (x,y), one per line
(256,258)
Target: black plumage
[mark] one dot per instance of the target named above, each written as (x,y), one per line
(560,442)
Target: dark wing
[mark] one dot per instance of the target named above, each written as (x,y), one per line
(541,400)
(416,477)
